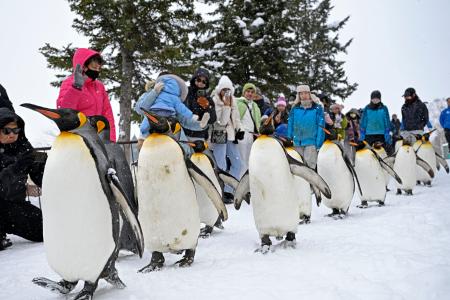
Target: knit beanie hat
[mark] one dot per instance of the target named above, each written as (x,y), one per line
(375,95)
(248,86)
(281,101)
(303,88)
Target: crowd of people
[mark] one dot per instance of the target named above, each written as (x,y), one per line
(228,122)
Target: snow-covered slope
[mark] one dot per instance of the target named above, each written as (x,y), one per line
(400,251)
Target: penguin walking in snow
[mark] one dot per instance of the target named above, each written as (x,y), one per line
(168,208)
(81,200)
(370,168)
(336,169)
(119,162)
(208,212)
(405,163)
(381,152)
(270,183)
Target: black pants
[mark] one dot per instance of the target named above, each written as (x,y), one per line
(21,218)
(447,135)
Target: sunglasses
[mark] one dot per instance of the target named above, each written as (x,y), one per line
(201,80)
(7,130)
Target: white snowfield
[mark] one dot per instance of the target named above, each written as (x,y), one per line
(400,251)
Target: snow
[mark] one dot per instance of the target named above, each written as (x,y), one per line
(240,23)
(395,252)
(258,22)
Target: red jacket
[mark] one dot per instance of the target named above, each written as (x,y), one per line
(92,99)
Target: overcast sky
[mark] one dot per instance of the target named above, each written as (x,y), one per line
(396,44)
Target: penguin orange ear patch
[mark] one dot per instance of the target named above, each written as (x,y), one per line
(49,114)
(100,126)
(83,119)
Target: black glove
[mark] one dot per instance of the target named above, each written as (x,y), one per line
(239,136)
(78,78)
(24,162)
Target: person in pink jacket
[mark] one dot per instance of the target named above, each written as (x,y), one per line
(81,91)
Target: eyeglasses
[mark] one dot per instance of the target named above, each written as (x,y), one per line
(201,80)
(7,130)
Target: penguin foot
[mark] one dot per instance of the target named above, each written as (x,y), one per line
(264,249)
(205,232)
(87,292)
(219,224)
(62,287)
(387,189)
(114,279)
(399,192)
(156,263)
(418,182)
(428,183)
(305,220)
(380,203)
(334,213)
(279,238)
(187,259)
(363,204)
(288,244)
(409,192)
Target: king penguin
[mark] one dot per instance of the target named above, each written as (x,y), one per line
(168,208)
(370,168)
(406,160)
(270,182)
(337,170)
(119,162)
(81,199)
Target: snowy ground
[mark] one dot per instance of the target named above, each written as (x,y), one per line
(401,251)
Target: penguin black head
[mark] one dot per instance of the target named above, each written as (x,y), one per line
(330,134)
(360,145)
(158,124)
(198,146)
(101,124)
(377,145)
(287,142)
(267,127)
(65,118)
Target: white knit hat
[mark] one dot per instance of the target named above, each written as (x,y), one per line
(303,88)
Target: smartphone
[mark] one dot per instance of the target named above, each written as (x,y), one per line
(201,93)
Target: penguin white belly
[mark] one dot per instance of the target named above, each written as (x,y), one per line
(426,152)
(303,188)
(168,209)
(382,153)
(370,176)
(331,166)
(273,197)
(207,210)
(77,220)
(405,167)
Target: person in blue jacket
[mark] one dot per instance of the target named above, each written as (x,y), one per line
(375,122)
(305,126)
(444,119)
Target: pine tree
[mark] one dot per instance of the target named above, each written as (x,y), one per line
(136,38)
(277,45)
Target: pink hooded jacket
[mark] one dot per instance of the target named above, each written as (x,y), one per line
(92,99)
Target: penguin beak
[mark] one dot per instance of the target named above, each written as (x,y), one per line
(151,116)
(48,112)
(326,130)
(354,144)
(268,120)
(191,145)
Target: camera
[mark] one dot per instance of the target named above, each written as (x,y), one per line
(228,93)
(201,93)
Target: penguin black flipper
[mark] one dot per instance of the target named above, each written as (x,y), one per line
(242,190)
(350,167)
(208,186)
(317,194)
(302,170)
(443,162)
(424,165)
(123,202)
(227,178)
(387,167)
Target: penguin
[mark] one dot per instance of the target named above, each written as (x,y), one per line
(424,149)
(337,170)
(208,213)
(81,199)
(270,180)
(405,166)
(371,168)
(119,162)
(168,209)
(381,152)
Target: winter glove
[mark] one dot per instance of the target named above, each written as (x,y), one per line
(78,78)
(194,118)
(204,120)
(362,135)
(159,87)
(238,136)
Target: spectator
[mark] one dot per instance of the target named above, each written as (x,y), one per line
(351,133)
(228,126)
(4,99)
(375,124)
(305,126)
(280,112)
(444,120)
(83,92)
(199,103)
(259,99)
(414,113)
(339,121)
(17,216)
(250,116)
(395,126)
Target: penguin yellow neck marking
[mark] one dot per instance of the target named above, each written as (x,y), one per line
(197,155)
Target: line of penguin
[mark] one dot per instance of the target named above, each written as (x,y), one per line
(90,208)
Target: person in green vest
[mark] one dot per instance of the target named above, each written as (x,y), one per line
(250,119)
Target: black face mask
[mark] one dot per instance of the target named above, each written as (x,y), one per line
(92,74)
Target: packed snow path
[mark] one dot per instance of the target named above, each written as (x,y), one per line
(400,251)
